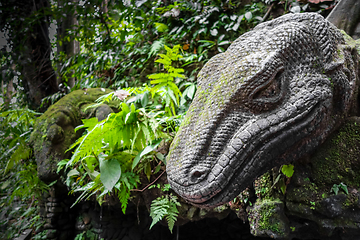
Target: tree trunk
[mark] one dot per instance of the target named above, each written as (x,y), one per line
(27,23)
(346,15)
(72,47)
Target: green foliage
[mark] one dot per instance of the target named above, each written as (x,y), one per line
(129,138)
(336,187)
(15,129)
(20,186)
(280,181)
(86,235)
(165,82)
(287,170)
(165,207)
(120,45)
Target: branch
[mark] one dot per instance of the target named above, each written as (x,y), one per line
(138,190)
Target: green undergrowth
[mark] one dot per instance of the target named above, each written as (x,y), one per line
(20,187)
(113,154)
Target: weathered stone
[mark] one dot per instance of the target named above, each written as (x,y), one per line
(51,234)
(54,130)
(52,204)
(55,209)
(49,226)
(50,215)
(272,98)
(25,235)
(53,200)
(332,206)
(267,219)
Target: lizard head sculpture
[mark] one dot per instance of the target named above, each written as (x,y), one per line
(271,98)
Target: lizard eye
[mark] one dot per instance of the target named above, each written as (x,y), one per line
(268,95)
(270,89)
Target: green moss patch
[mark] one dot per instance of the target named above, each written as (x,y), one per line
(338,159)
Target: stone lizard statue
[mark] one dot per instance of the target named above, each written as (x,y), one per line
(272,98)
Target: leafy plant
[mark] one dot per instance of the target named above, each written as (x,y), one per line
(129,138)
(166,81)
(20,186)
(165,207)
(108,160)
(287,170)
(336,187)
(312,205)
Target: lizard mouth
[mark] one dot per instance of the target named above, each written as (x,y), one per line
(250,158)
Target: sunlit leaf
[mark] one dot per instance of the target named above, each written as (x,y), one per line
(145,151)
(110,172)
(288,170)
(160,27)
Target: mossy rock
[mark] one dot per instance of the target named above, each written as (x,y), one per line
(54,131)
(267,219)
(310,197)
(338,160)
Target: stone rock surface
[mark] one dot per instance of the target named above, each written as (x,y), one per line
(54,130)
(273,97)
(312,209)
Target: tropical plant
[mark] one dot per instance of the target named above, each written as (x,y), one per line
(165,206)
(112,162)
(20,187)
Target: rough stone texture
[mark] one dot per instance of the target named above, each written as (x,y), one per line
(311,209)
(267,219)
(346,16)
(108,222)
(273,97)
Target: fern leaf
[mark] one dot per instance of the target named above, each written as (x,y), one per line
(156,46)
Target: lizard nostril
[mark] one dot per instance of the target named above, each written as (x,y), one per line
(197,175)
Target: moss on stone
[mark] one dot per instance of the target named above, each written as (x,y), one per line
(338,159)
(54,130)
(267,218)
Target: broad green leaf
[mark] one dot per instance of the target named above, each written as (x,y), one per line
(144,99)
(288,170)
(61,164)
(191,91)
(5,184)
(145,151)
(344,188)
(161,157)
(110,172)
(125,108)
(93,175)
(73,172)
(335,189)
(90,161)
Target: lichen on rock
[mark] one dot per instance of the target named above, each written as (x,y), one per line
(54,130)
